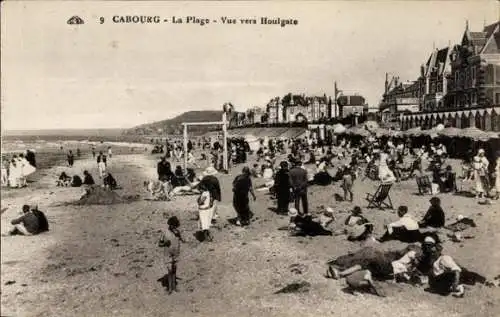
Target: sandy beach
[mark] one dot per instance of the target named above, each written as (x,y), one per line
(104,260)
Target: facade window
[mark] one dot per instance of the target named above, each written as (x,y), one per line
(474,98)
(497,99)
(473,76)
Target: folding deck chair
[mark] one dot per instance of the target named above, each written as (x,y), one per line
(380,197)
(424,185)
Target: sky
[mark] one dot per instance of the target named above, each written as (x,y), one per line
(60,76)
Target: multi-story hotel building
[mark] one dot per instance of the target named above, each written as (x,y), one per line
(462,85)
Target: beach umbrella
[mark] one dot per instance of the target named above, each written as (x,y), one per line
(358,131)
(450,132)
(413,132)
(339,129)
(433,133)
(383,132)
(477,134)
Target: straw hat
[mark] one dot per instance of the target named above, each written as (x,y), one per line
(356,210)
(481,151)
(292,212)
(210,171)
(429,240)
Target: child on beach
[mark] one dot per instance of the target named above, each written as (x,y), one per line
(205,211)
(170,241)
(347,182)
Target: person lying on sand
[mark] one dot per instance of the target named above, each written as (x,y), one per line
(380,264)
(189,189)
(31,222)
(462,223)
(305,225)
(158,189)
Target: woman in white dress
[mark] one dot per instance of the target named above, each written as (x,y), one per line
(20,166)
(26,169)
(497,176)
(13,173)
(384,172)
(5,172)
(205,212)
(480,165)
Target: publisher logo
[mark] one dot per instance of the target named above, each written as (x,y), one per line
(75,20)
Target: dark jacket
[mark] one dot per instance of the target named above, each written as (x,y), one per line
(298,179)
(77,181)
(433,218)
(212,184)
(110,181)
(88,180)
(30,222)
(282,182)
(164,170)
(242,185)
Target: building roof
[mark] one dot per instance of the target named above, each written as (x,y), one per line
(351,100)
(434,61)
(490,29)
(483,41)
(492,45)
(478,38)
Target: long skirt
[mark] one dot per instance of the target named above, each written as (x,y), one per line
(5,177)
(283,198)
(102,168)
(14,176)
(480,186)
(206,216)
(241,205)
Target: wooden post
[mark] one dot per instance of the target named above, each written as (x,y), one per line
(224,131)
(185,146)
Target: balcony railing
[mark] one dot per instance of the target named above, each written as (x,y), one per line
(407,101)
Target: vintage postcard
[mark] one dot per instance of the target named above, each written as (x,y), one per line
(250,158)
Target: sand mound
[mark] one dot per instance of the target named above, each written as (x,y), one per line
(97,195)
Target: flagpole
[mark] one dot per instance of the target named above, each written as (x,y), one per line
(224,131)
